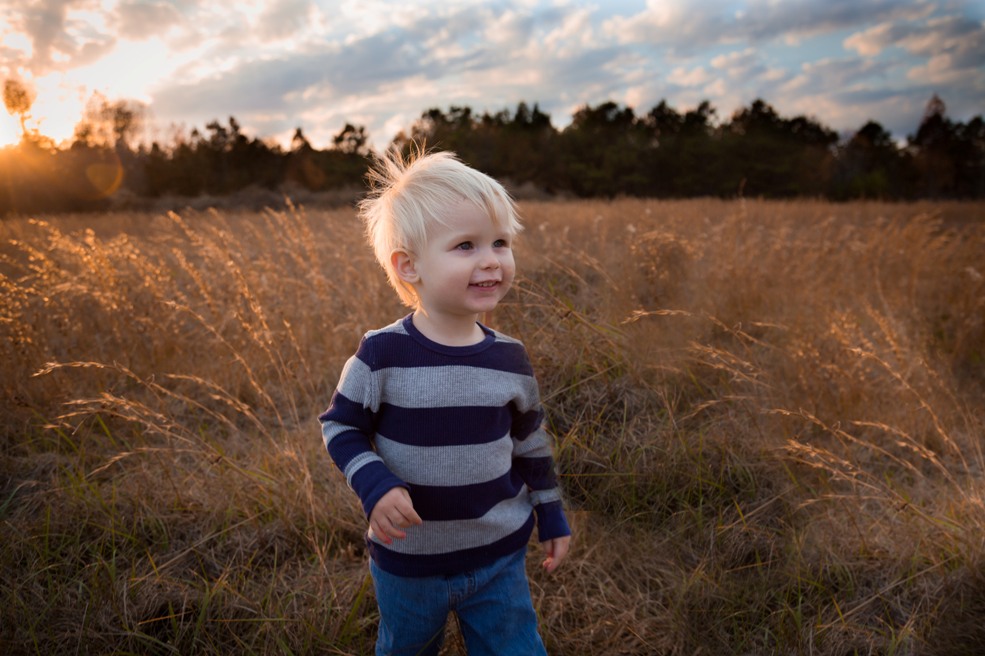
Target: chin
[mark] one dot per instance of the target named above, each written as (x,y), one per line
(485,307)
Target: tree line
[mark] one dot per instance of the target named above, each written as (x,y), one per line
(606,150)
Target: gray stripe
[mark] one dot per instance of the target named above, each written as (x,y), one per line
(330,430)
(536,445)
(356,384)
(447,465)
(538,497)
(455,386)
(358,463)
(395,327)
(442,537)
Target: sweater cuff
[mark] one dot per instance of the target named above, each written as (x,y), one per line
(551,522)
(372,482)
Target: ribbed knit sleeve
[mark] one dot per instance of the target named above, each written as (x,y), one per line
(534,462)
(348,427)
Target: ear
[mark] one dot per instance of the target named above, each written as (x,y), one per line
(403,263)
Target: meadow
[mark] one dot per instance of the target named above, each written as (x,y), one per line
(769,421)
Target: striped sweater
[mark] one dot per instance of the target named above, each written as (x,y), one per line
(462,429)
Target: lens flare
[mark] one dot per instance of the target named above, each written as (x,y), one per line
(104,176)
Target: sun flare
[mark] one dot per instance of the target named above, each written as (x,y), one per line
(10,130)
(49,120)
(47,106)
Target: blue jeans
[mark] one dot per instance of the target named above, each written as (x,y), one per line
(493,606)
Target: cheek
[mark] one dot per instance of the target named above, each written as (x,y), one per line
(509,266)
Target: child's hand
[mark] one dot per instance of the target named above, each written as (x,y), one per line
(556,550)
(392,513)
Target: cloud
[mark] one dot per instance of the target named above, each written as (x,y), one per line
(689,77)
(575,33)
(63,34)
(683,29)
(948,33)
(844,93)
(741,63)
(283,19)
(141,20)
(834,74)
(766,19)
(674,25)
(45,26)
(948,50)
(941,70)
(872,41)
(744,75)
(321,79)
(510,27)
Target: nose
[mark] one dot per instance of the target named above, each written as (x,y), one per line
(489,260)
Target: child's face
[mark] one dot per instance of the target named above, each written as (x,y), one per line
(467,267)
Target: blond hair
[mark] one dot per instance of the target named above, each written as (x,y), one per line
(409,197)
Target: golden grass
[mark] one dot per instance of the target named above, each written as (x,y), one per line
(769,421)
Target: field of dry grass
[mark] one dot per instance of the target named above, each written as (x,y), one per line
(769,421)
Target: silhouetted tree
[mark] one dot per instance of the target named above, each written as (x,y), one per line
(772,156)
(697,163)
(299,142)
(948,157)
(932,146)
(869,165)
(526,147)
(602,152)
(18,98)
(969,153)
(445,131)
(302,166)
(113,124)
(107,134)
(177,168)
(352,140)
(661,127)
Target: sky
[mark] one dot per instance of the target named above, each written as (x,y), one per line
(276,65)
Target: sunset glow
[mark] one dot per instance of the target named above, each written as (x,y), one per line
(54,116)
(10,129)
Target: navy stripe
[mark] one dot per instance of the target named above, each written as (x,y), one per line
(447,503)
(399,350)
(538,471)
(551,521)
(350,443)
(454,562)
(443,426)
(345,447)
(350,413)
(524,424)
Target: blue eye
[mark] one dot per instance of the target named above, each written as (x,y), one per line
(501,243)
(465,246)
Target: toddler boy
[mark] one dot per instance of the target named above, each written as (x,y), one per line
(436,421)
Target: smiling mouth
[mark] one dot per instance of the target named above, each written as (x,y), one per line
(486,284)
